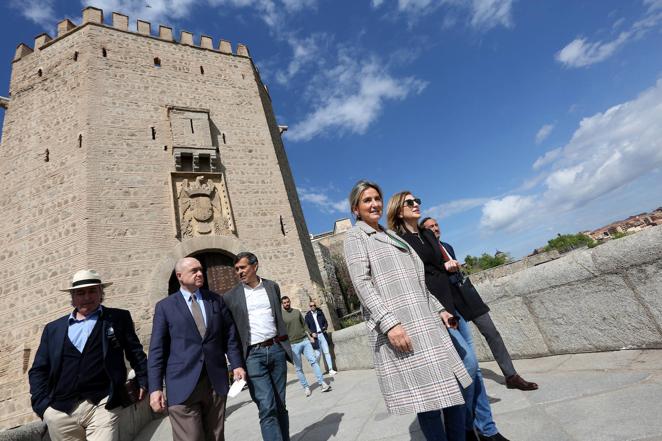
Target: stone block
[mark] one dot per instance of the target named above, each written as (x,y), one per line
(352,349)
(144,27)
(518,328)
(21,51)
(646,281)
(242,50)
(225,47)
(165,33)
(65,26)
(186,38)
(120,21)
(40,40)
(92,15)
(598,314)
(637,249)
(206,42)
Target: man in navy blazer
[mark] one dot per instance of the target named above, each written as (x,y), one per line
(192,332)
(78,375)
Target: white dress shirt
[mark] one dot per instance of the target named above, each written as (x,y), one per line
(260,316)
(319,329)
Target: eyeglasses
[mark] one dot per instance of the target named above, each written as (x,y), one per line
(312,306)
(411,202)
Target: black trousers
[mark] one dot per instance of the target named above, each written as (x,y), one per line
(486,327)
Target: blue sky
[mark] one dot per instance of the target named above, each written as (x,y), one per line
(511,120)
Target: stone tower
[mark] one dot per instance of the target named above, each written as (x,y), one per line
(124,151)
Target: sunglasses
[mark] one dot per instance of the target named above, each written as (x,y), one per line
(411,202)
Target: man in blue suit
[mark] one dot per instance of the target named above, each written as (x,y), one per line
(192,332)
(77,380)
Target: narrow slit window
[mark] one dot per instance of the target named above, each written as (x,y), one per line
(47,156)
(39,72)
(202,70)
(80,141)
(157,62)
(191,121)
(104,52)
(153,132)
(76,56)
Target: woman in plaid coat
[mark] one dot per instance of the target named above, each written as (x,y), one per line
(418,368)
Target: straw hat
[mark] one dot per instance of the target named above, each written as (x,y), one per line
(85,278)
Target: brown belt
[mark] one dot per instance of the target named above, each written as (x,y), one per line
(269,342)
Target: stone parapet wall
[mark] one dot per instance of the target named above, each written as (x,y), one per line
(600,299)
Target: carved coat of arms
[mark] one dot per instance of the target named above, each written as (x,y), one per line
(200,208)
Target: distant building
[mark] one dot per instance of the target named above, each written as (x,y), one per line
(632,224)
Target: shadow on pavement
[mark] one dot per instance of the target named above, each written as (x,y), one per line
(322,430)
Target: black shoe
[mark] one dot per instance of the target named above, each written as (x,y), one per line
(496,437)
(517,382)
(471,436)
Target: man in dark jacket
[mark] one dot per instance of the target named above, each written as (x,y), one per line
(192,333)
(483,321)
(77,380)
(317,325)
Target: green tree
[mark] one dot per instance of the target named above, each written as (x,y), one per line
(568,242)
(474,264)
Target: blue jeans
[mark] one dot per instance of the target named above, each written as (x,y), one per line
(477,405)
(267,377)
(306,348)
(324,347)
(433,428)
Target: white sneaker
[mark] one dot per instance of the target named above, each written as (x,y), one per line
(332,372)
(307,391)
(325,387)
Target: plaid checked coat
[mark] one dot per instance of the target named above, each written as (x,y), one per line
(389,279)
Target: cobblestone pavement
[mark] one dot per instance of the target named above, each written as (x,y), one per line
(582,397)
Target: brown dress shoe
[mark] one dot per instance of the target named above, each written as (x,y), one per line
(517,382)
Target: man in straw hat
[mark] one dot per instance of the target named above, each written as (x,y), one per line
(77,380)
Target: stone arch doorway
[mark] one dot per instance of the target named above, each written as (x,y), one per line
(218,269)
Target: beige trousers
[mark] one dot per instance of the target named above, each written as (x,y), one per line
(87,422)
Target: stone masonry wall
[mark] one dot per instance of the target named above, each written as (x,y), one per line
(601,299)
(104,199)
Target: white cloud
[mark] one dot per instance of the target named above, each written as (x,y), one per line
(483,14)
(376,3)
(451,208)
(544,132)
(37,11)
(488,14)
(156,11)
(506,213)
(547,158)
(607,152)
(581,52)
(304,53)
(322,201)
(350,96)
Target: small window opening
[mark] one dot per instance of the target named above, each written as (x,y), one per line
(26,359)
(165,148)
(80,141)
(202,70)
(76,56)
(191,121)
(223,138)
(47,155)
(104,52)
(187,162)
(153,132)
(282,225)
(157,62)
(39,72)
(204,163)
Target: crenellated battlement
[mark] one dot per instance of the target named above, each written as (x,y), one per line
(94,16)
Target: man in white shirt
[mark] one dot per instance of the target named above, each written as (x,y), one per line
(255,307)
(317,324)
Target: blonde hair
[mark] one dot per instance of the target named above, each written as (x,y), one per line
(357,191)
(395,204)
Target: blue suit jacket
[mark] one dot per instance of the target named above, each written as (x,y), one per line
(178,353)
(117,343)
